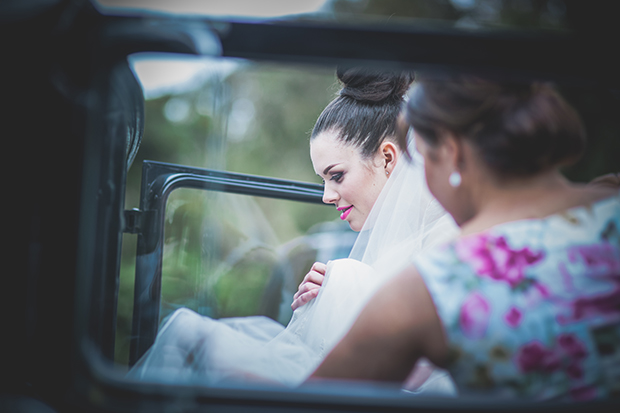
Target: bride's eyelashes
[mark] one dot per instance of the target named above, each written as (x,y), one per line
(337,177)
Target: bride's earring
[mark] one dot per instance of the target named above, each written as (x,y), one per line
(387,173)
(455,179)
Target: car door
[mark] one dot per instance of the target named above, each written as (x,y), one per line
(159,180)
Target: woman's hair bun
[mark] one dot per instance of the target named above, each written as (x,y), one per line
(518,129)
(369,85)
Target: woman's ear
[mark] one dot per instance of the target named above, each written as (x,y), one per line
(389,153)
(451,151)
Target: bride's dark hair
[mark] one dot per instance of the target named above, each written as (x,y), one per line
(366,109)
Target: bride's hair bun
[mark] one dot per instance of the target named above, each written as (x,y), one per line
(366,109)
(368,85)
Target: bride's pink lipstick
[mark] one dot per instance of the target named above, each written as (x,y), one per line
(346,210)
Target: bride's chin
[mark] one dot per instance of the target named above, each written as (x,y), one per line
(355,226)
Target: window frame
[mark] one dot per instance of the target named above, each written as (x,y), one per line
(159,179)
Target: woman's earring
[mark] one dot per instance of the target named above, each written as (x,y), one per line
(455,179)
(387,173)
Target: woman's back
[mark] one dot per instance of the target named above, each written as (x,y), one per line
(531,308)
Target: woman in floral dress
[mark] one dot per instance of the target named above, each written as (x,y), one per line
(525,303)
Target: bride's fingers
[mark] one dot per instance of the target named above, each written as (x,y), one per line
(319,267)
(304,288)
(304,298)
(309,287)
(313,277)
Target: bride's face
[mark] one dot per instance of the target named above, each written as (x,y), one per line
(352,183)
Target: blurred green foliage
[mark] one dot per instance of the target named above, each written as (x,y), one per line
(469,14)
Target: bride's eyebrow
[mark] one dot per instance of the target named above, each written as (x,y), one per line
(326,170)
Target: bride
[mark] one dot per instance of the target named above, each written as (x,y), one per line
(353,149)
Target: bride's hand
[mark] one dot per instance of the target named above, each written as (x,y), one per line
(309,287)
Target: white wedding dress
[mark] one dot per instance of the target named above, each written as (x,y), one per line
(195,349)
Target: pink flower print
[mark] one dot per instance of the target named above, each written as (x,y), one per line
(534,356)
(600,304)
(544,291)
(535,294)
(571,346)
(551,362)
(583,393)
(474,316)
(567,355)
(531,357)
(474,250)
(492,257)
(513,317)
(574,370)
(567,278)
(603,258)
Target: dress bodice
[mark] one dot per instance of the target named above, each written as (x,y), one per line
(531,308)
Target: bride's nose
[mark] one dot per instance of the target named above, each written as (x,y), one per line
(329,195)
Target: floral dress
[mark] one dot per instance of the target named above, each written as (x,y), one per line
(531,308)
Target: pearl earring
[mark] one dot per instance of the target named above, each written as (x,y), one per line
(387,173)
(455,179)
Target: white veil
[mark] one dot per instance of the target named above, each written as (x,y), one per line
(405,220)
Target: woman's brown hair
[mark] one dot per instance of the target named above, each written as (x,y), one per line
(518,129)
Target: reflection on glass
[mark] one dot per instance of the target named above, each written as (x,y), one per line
(229,255)
(219,252)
